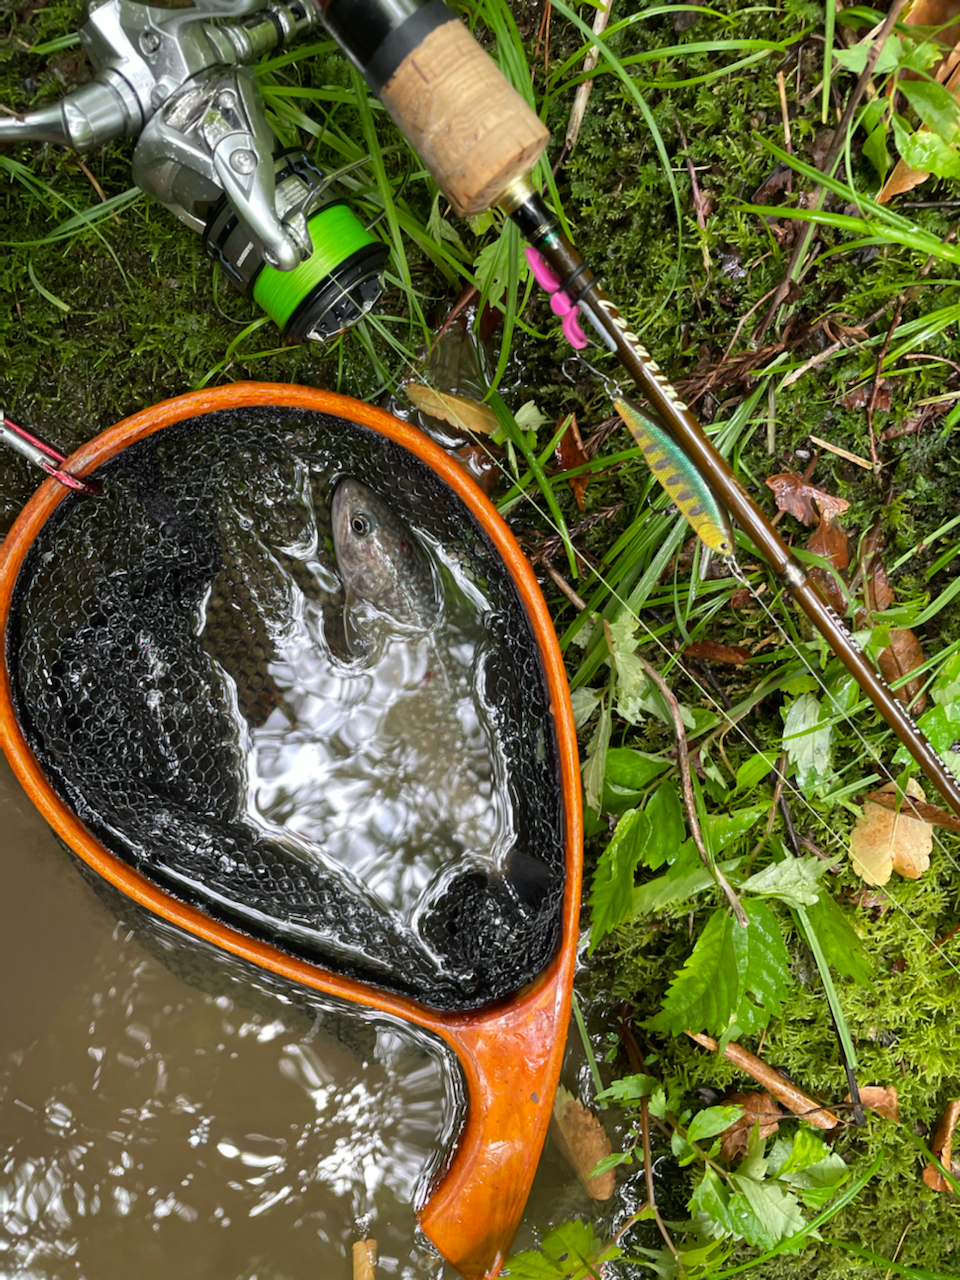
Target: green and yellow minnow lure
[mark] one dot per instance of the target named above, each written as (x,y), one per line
(679,479)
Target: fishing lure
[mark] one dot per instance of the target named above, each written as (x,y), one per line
(679,479)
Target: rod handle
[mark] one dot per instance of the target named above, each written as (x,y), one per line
(470,127)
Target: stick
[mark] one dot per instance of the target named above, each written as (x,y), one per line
(364,1259)
(584,90)
(794,1099)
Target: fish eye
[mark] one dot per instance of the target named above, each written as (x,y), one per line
(360,524)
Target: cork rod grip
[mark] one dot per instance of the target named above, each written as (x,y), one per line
(470,127)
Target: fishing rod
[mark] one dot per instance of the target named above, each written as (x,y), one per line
(481,142)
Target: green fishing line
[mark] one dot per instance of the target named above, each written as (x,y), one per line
(336,234)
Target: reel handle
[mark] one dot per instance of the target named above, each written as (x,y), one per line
(470,127)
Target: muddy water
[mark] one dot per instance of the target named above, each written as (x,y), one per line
(157,1128)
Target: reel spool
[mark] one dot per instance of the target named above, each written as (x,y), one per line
(332,288)
(105,694)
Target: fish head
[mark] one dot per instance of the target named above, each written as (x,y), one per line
(380,561)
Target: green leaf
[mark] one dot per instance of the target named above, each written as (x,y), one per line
(594,767)
(706,991)
(817,1183)
(667,829)
(611,894)
(926,152)
(708,1123)
(941,724)
(839,940)
(659,893)
(584,703)
(755,769)
(765,1213)
(721,829)
(935,105)
(712,1199)
(611,1162)
(570,1252)
(788,1155)
(630,1089)
(807,741)
(762,959)
(795,881)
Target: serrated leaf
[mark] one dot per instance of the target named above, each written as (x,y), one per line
(584,703)
(795,881)
(667,829)
(712,1199)
(594,767)
(807,741)
(659,893)
(570,1252)
(840,942)
(708,1123)
(762,960)
(706,991)
(611,893)
(721,829)
(630,1089)
(765,1212)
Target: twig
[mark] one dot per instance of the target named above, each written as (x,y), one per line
(794,1099)
(829,165)
(877,384)
(364,1259)
(565,587)
(916,808)
(648,1176)
(584,90)
(683,759)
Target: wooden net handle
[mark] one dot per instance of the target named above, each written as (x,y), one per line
(470,127)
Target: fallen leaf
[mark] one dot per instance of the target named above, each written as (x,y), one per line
(712,651)
(583,1143)
(570,453)
(942,1147)
(756,1106)
(859,397)
(904,653)
(479,465)
(880,1098)
(884,841)
(830,541)
(468,415)
(794,494)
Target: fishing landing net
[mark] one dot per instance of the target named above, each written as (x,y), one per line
(148,651)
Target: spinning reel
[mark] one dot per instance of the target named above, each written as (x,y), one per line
(277,225)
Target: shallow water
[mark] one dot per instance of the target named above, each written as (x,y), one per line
(153,1128)
(254,1134)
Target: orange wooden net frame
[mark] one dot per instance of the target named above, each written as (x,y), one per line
(510,1052)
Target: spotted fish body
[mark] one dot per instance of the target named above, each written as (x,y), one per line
(678,478)
(379,560)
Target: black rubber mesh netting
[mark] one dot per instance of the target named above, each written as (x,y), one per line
(140,643)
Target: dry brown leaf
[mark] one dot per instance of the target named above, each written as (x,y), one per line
(479,465)
(862,393)
(880,1098)
(713,651)
(884,841)
(735,1139)
(468,415)
(570,453)
(583,1142)
(942,1147)
(904,653)
(830,541)
(793,494)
